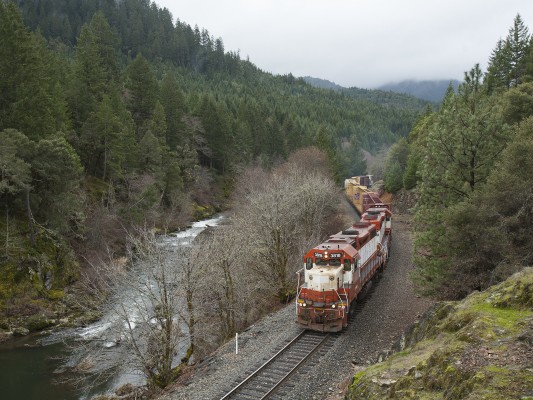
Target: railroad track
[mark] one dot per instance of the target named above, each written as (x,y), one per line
(362,299)
(264,382)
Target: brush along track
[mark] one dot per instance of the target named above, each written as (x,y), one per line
(267,379)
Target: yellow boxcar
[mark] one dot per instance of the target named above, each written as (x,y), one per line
(358,193)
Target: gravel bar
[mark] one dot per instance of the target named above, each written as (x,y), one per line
(387,311)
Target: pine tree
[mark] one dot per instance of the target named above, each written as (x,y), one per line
(395,165)
(96,71)
(215,120)
(158,124)
(142,90)
(417,147)
(107,140)
(56,177)
(30,101)
(518,41)
(15,172)
(462,147)
(508,62)
(498,67)
(150,153)
(468,136)
(173,103)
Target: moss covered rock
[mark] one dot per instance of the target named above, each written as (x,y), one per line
(479,348)
(203,211)
(38,322)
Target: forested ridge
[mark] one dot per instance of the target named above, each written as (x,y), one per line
(113,115)
(430,90)
(384,97)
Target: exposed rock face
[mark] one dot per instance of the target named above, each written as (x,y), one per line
(481,347)
(404,201)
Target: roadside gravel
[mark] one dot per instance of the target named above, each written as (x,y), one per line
(387,311)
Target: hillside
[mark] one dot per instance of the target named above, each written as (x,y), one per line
(428,90)
(153,122)
(387,98)
(478,348)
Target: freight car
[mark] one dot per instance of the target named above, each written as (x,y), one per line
(336,271)
(357,190)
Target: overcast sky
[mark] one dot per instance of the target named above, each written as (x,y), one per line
(363,43)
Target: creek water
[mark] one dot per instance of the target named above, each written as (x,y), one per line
(29,366)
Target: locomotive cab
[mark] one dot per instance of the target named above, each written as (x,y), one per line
(323,299)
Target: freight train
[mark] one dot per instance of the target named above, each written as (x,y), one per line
(336,271)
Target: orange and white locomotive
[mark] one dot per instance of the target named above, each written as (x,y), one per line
(336,270)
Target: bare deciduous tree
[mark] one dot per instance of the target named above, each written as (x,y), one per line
(141,329)
(283,218)
(248,265)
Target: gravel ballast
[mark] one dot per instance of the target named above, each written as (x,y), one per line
(387,311)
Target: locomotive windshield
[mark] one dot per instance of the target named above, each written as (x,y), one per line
(331,263)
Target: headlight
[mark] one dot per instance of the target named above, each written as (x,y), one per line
(333,306)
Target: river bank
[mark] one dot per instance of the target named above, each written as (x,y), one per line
(32,362)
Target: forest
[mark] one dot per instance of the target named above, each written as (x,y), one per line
(113,115)
(469,167)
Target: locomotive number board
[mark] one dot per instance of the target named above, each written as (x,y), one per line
(331,255)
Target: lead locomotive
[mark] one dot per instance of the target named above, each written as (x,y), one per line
(336,270)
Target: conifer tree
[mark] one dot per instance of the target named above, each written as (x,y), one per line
(498,68)
(107,140)
(173,103)
(96,70)
(395,165)
(56,177)
(508,62)
(29,100)
(461,149)
(150,153)
(15,172)
(463,144)
(142,90)
(518,41)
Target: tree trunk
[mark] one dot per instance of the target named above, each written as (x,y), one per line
(7,229)
(30,218)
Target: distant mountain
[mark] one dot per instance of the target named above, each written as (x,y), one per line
(428,90)
(383,97)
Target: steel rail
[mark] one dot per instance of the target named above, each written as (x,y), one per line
(270,361)
(295,368)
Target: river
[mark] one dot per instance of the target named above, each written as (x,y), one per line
(29,366)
